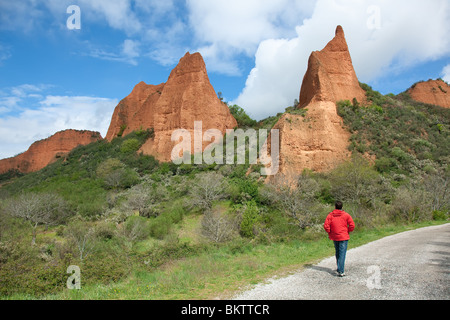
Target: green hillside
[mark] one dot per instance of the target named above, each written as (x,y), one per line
(138,228)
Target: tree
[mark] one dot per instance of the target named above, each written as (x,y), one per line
(218,227)
(437,185)
(135,228)
(81,236)
(208,187)
(296,198)
(354,182)
(144,199)
(115,174)
(38,209)
(241,117)
(250,217)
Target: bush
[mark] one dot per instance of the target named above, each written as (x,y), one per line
(440,215)
(409,205)
(241,117)
(130,146)
(296,199)
(218,227)
(136,228)
(207,188)
(241,190)
(160,226)
(104,268)
(250,219)
(166,252)
(25,273)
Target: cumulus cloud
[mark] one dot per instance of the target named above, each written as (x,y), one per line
(226,29)
(118,14)
(48,115)
(446,73)
(398,41)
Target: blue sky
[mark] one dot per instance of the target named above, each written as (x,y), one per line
(256,51)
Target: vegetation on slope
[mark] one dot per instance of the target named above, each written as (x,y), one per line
(139,228)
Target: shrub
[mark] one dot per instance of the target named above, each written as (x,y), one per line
(250,219)
(26,273)
(409,205)
(160,226)
(82,238)
(130,146)
(104,268)
(135,228)
(105,230)
(241,117)
(440,215)
(207,188)
(355,182)
(218,227)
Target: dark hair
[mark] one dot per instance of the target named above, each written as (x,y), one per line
(338,205)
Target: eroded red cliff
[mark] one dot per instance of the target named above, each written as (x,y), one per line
(185,98)
(44,152)
(317,140)
(436,92)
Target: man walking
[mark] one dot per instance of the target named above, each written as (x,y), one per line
(338,225)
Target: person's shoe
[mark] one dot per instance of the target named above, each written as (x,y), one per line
(341,274)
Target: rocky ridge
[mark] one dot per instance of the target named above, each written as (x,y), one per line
(44,152)
(436,92)
(185,98)
(317,140)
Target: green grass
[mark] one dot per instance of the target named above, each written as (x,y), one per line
(220,272)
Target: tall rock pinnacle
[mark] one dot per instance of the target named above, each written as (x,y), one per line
(186,97)
(330,75)
(317,140)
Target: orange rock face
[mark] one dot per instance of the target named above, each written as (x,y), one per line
(44,152)
(318,140)
(186,97)
(435,92)
(330,75)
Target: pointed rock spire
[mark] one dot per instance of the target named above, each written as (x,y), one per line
(186,97)
(330,75)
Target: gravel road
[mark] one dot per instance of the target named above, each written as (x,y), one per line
(413,265)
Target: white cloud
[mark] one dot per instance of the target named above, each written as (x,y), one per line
(52,114)
(401,41)
(118,14)
(129,52)
(446,73)
(5,53)
(225,29)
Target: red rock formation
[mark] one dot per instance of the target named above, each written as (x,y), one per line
(330,75)
(435,92)
(187,96)
(44,152)
(318,140)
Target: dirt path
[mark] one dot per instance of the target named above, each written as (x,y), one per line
(408,266)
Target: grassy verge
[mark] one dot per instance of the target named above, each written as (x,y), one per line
(219,272)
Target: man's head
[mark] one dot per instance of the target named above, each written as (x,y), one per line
(338,205)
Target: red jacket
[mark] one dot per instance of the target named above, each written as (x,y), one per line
(338,225)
